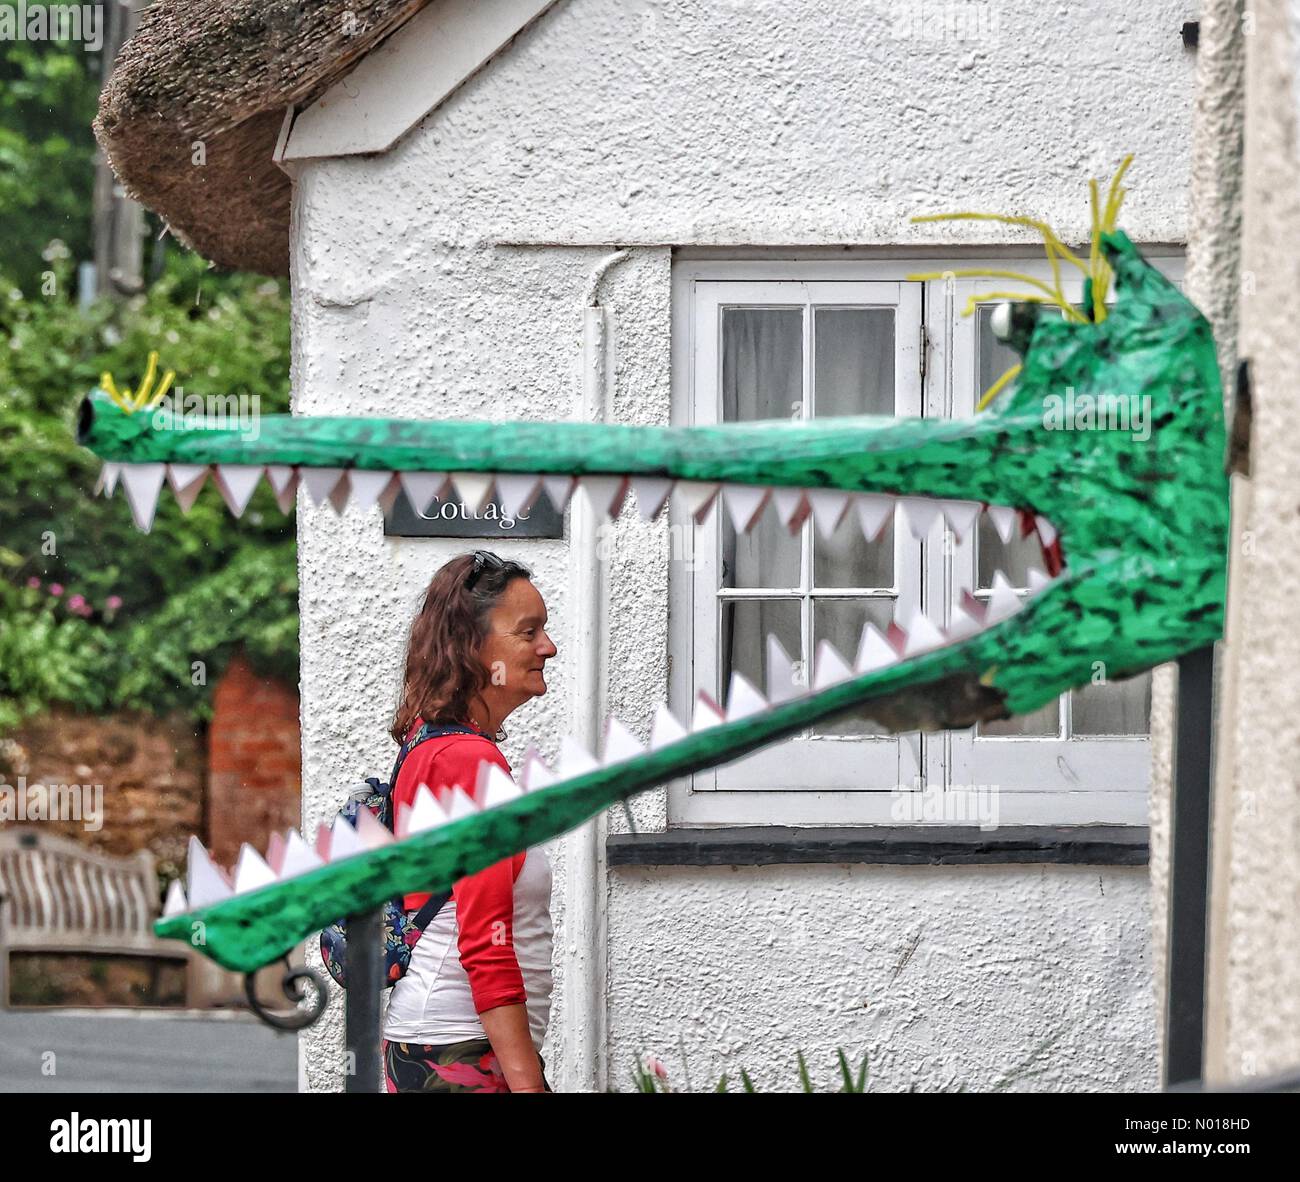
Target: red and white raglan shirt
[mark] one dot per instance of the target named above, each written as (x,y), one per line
(490,945)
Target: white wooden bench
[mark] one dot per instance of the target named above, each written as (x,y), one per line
(58,896)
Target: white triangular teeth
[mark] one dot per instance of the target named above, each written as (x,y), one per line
(108,475)
(367,485)
(920,515)
(143,482)
(175,903)
(275,852)
(496,786)
(1038,580)
(961,516)
(1046,530)
(792,507)
(575,759)
(371,831)
(696,497)
(344,840)
(421,488)
(745,504)
(743,699)
(666,729)
(706,713)
(652,493)
(459,803)
(299,857)
(517,493)
(558,490)
(424,813)
(1003,600)
(338,498)
(874,651)
(961,624)
(604,493)
(829,668)
(284,483)
(781,686)
(280,476)
(473,489)
(1004,520)
(236,483)
(874,513)
(828,506)
(251,871)
(536,774)
(205,882)
(185,480)
(620,743)
(922,635)
(321,483)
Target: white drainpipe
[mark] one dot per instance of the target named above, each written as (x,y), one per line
(583,1012)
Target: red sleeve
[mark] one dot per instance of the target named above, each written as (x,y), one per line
(438,763)
(485,915)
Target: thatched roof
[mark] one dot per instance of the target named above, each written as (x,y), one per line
(222,72)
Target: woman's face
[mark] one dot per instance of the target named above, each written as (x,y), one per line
(516,648)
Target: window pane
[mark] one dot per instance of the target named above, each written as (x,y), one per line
(1116,708)
(746,625)
(841,621)
(1045,721)
(853,375)
(854,361)
(847,559)
(766,556)
(762,363)
(762,378)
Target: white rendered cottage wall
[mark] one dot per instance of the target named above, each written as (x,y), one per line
(447,279)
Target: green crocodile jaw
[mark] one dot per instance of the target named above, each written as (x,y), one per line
(1140,527)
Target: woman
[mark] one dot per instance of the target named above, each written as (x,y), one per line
(471,1011)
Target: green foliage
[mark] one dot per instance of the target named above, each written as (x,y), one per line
(47,152)
(195,586)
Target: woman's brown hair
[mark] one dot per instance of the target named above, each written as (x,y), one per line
(443,673)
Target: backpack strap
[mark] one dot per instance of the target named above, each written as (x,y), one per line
(429,730)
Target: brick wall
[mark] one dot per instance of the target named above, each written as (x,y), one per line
(151,770)
(254,761)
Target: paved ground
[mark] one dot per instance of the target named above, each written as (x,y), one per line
(157,1051)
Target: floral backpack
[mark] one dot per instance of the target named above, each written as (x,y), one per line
(402,928)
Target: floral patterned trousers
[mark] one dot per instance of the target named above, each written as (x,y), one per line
(468,1066)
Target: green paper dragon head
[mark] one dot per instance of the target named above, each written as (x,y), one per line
(1132,530)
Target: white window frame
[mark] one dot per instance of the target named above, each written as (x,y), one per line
(1039,781)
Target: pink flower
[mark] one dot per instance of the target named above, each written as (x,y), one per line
(113,602)
(56,589)
(654,1065)
(34,583)
(77,602)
